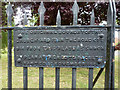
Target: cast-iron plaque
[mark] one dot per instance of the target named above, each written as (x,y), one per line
(60,47)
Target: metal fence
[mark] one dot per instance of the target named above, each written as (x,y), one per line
(109,67)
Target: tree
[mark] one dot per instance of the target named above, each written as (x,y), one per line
(66,12)
(3,23)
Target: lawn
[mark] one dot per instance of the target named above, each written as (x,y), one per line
(49,76)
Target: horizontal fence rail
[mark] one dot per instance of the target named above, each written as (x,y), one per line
(42,27)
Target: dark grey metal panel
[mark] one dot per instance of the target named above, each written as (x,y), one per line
(60,47)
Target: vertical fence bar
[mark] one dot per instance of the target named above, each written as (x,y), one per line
(41,12)
(92,22)
(90,78)
(75,10)
(73,78)
(25,70)
(9,12)
(57,78)
(109,45)
(25,78)
(57,70)
(92,19)
(113,48)
(41,76)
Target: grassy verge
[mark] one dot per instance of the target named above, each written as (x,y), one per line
(49,76)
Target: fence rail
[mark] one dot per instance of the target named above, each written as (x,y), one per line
(73,26)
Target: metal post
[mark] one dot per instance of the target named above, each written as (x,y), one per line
(92,22)
(25,70)
(90,78)
(41,78)
(41,12)
(57,70)
(25,78)
(9,12)
(113,61)
(109,49)
(73,78)
(57,78)
(75,10)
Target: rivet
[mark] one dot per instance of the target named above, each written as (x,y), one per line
(101,35)
(19,60)
(20,36)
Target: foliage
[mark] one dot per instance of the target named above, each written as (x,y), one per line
(65,11)
(4,39)
(4,23)
(118,12)
(117,47)
(33,20)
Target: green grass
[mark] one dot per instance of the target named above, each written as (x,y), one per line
(49,76)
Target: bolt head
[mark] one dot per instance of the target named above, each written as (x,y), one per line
(101,35)
(20,36)
(19,60)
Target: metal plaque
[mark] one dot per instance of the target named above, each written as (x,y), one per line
(60,47)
